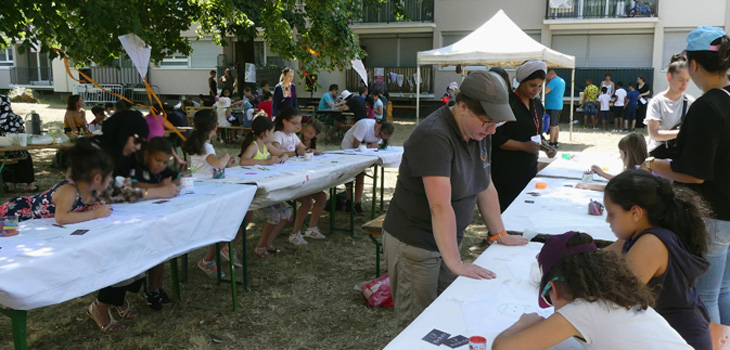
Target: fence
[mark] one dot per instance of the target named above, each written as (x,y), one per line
(564,9)
(31,76)
(398,79)
(92,94)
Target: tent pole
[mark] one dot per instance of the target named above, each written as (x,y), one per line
(418,93)
(572,101)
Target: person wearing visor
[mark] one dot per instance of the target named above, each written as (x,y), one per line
(516,145)
(703,160)
(444,174)
(597,300)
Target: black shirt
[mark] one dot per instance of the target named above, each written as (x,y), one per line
(357,106)
(437,148)
(513,170)
(704,150)
(140,173)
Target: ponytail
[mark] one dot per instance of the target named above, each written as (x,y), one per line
(674,208)
(259,126)
(204,121)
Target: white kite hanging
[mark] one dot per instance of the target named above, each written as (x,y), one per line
(360,69)
(138,51)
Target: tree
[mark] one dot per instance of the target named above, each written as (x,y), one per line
(314,32)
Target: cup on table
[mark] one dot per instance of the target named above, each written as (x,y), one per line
(308,156)
(186,184)
(9,225)
(477,343)
(23,140)
(219,173)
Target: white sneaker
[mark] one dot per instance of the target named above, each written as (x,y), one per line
(297,239)
(313,232)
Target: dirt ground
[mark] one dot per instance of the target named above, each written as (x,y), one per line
(303,298)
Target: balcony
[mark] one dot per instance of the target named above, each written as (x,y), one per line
(600,9)
(35,76)
(415,11)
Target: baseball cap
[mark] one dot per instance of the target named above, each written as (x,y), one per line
(346,94)
(491,92)
(701,38)
(555,249)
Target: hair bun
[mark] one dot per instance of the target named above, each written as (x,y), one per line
(678,58)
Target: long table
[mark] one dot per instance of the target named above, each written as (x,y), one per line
(45,264)
(558,208)
(571,165)
(482,307)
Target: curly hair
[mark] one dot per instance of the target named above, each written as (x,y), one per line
(598,275)
(674,208)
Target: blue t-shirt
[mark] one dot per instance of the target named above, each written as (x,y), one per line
(324,102)
(633,97)
(554,98)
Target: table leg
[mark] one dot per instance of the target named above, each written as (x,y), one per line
(382,187)
(184,268)
(19,319)
(245,257)
(378,246)
(233,276)
(352,209)
(375,191)
(218,263)
(175,279)
(333,199)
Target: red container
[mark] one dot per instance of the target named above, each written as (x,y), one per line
(477,343)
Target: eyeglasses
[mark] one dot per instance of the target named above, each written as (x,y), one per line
(488,123)
(137,140)
(544,295)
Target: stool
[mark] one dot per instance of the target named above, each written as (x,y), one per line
(375,228)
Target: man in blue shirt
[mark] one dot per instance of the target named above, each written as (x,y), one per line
(632,99)
(327,102)
(554,92)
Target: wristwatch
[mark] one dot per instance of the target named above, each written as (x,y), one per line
(647,162)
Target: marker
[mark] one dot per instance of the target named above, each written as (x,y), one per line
(57,225)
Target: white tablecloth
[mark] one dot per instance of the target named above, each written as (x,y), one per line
(387,158)
(482,307)
(559,208)
(46,265)
(574,167)
(296,177)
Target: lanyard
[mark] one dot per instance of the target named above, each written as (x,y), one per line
(534,109)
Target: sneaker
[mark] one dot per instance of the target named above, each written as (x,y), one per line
(297,239)
(358,209)
(153,299)
(164,297)
(313,232)
(209,268)
(226,255)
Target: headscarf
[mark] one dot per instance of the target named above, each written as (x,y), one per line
(529,67)
(117,130)
(9,121)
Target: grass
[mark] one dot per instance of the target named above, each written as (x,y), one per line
(301,299)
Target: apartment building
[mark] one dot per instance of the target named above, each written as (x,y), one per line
(619,36)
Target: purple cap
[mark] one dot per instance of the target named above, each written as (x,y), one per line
(554,250)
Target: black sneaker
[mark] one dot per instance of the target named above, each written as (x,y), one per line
(358,209)
(154,301)
(164,297)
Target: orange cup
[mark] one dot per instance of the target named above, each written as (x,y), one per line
(541,185)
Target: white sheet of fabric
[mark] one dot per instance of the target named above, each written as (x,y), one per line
(558,208)
(446,314)
(55,266)
(561,4)
(573,168)
(297,177)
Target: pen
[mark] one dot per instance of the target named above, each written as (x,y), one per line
(57,225)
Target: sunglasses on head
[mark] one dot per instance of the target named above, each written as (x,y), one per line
(544,295)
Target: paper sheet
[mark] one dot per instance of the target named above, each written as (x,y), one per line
(502,305)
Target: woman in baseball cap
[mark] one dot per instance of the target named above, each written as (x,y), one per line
(597,300)
(703,160)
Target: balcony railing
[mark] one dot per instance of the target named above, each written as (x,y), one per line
(592,9)
(41,76)
(114,75)
(415,11)
(402,79)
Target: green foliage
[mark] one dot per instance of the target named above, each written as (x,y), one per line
(314,32)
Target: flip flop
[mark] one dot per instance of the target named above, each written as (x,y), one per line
(274,250)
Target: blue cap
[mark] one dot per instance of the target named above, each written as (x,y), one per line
(702,37)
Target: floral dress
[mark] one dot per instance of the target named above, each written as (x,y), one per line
(40,205)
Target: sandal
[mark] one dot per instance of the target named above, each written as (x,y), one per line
(274,250)
(112,327)
(129,313)
(261,252)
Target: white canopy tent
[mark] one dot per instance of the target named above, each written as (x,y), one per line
(498,42)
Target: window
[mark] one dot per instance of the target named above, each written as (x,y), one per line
(6,57)
(174,61)
(204,55)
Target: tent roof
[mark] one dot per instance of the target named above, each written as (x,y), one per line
(498,42)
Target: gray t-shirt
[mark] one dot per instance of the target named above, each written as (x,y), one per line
(437,148)
(667,112)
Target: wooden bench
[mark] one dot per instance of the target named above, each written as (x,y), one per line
(375,228)
(227,133)
(190,112)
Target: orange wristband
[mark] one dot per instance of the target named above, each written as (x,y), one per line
(497,236)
